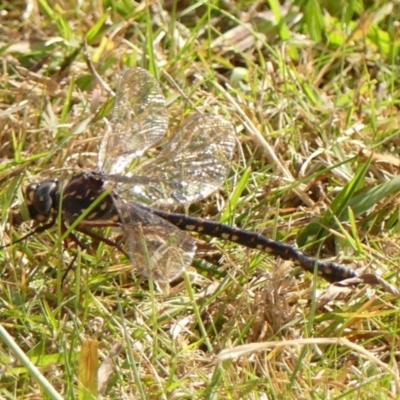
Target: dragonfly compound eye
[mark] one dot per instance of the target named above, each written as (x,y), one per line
(41,198)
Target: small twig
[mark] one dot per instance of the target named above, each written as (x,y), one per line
(92,69)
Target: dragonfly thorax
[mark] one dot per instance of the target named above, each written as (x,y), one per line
(42,199)
(79,194)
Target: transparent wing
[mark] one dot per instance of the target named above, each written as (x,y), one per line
(139,120)
(156,248)
(189,168)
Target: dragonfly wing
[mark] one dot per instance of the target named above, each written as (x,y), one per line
(157,249)
(189,168)
(139,121)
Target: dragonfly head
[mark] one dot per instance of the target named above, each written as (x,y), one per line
(41,199)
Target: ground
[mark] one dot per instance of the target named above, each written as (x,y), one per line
(312,90)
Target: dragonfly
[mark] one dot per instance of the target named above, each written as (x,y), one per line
(136,197)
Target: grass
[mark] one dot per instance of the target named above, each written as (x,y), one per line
(312,89)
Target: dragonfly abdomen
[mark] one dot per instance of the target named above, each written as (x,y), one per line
(330,271)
